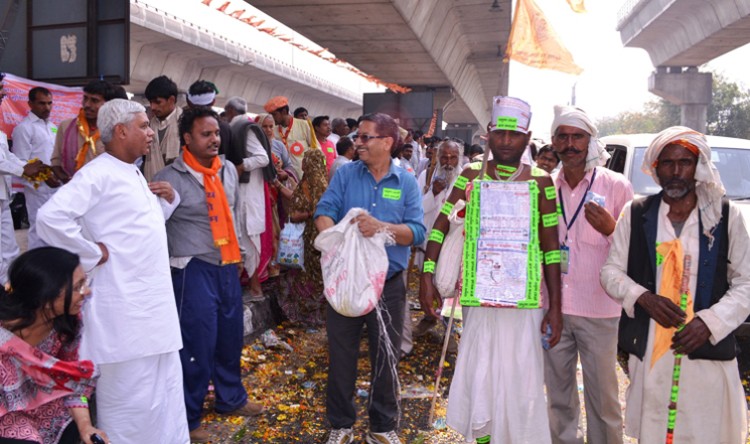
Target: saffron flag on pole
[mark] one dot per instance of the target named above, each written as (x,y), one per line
(577,5)
(533,42)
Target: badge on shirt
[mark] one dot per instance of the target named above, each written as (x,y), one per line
(391,193)
(564,258)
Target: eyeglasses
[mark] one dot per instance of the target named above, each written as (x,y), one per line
(365,138)
(84,286)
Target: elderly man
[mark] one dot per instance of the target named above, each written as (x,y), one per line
(339,129)
(34,138)
(114,220)
(10,165)
(297,135)
(644,271)
(204,253)
(78,140)
(497,392)
(590,198)
(161,93)
(391,196)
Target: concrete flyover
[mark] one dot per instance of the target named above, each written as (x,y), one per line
(680,35)
(443,45)
(169,38)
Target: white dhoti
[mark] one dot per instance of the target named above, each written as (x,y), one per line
(498,387)
(251,244)
(141,401)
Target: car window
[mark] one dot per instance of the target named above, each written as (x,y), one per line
(617,161)
(732,163)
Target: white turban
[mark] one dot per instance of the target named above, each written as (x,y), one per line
(708,187)
(576,117)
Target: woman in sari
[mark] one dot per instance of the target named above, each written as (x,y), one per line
(303,301)
(44,385)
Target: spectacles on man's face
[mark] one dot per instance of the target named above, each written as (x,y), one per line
(365,137)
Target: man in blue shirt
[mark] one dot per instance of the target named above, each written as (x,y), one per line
(392,197)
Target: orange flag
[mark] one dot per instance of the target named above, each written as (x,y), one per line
(533,42)
(577,5)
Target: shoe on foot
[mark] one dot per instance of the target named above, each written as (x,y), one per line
(248,410)
(425,325)
(383,438)
(340,436)
(199,435)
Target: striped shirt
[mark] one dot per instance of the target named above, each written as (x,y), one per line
(582,294)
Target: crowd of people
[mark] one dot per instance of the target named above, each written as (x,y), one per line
(145,224)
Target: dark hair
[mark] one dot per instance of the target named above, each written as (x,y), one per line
(384,126)
(476,149)
(318,120)
(118,92)
(548,148)
(36,278)
(100,87)
(202,87)
(161,87)
(351,123)
(38,90)
(299,111)
(188,117)
(418,134)
(343,145)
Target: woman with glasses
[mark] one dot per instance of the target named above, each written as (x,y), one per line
(44,385)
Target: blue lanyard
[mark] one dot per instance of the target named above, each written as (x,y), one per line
(578,210)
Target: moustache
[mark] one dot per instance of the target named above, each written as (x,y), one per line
(571,150)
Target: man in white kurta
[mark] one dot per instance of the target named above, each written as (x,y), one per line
(34,138)
(711,406)
(113,219)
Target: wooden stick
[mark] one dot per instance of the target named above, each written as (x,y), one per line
(676,369)
(446,340)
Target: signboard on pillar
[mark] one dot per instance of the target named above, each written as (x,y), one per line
(75,41)
(414,109)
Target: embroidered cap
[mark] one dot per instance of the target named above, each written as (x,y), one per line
(510,113)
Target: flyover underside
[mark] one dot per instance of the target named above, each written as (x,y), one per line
(162,45)
(416,43)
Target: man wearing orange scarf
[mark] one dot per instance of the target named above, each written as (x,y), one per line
(205,256)
(77,141)
(689,218)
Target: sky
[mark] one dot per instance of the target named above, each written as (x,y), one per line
(614,78)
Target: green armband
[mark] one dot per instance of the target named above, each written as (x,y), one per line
(461,182)
(429,267)
(549,220)
(436,236)
(552,257)
(447,208)
(550,193)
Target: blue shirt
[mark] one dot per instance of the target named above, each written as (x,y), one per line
(395,199)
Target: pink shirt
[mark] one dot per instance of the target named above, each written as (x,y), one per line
(329,150)
(582,294)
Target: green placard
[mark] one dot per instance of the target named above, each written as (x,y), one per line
(391,193)
(507,123)
(549,220)
(550,193)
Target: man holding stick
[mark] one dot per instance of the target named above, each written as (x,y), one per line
(644,271)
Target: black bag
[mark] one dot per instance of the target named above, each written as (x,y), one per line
(18,212)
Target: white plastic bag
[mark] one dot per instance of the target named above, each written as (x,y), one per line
(354,267)
(292,246)
(448,268)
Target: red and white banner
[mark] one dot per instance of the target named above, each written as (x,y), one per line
(66,101)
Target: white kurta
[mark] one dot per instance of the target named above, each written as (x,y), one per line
(10,165)
(431,204)
(34,138)
(711,407)
(131,313)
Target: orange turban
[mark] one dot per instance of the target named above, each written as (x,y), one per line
(275,103)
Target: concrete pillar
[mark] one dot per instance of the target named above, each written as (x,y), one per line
(689,88)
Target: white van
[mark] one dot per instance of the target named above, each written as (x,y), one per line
(731,157)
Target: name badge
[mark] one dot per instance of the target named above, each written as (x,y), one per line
(564,258)
(330,149)
(391,193)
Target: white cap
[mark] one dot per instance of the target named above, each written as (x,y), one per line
(510,113)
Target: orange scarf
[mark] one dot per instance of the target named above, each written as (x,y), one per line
(671,280)
(89,140)
(219,213)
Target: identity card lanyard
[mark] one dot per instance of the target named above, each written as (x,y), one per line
(564,249)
